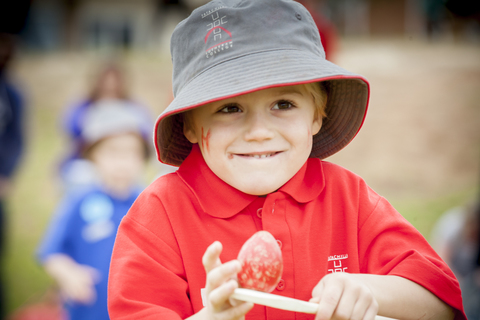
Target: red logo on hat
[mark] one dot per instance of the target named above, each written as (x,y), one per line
(213,29)
(219,37)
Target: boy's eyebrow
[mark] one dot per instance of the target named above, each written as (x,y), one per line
(286,90)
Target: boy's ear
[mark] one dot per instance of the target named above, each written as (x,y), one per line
(317,125)
(189,133)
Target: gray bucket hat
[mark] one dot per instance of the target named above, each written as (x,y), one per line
(111,117)
(227,48)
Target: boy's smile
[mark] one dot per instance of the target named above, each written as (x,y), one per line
(258,141)
(259,155)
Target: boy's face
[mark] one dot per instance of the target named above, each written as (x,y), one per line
(258,141)
(120,160)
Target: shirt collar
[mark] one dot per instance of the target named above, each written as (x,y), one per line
(219,199)
(307,183)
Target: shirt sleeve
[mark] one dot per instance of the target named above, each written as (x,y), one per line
(147,279)
(391,245)
(56,236)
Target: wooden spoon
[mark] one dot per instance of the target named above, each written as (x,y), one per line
(280,302)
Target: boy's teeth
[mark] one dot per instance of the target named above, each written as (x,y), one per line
(261,156)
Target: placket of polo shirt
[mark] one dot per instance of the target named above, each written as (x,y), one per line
(274,221)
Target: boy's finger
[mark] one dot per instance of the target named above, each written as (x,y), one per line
(364,303)
(211,257)
(315,300)
(222,274)
(317,292)
(345,307)
(220,295)
(371,312)
(328,303)
(237,312)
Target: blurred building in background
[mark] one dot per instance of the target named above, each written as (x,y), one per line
(404,17)
(79,24)
(377,17)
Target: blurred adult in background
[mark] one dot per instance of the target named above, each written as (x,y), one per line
(11,136)
(468,265)
(110,84)
(456,237)
(109,87)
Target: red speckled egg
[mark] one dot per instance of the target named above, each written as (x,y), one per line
(262,263)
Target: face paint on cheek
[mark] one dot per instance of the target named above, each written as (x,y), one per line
(205,140)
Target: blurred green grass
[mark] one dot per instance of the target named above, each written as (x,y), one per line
(29,209)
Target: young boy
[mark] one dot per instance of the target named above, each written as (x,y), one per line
(77,247)
(256,108)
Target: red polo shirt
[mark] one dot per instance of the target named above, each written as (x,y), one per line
(326,219)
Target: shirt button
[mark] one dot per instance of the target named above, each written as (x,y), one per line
(279,243)
(281,285)
(259,213)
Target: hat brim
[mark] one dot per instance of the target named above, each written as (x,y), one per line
(347,102)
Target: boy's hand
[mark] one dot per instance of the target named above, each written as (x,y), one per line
(221,282)
(342,296)
(79,285)
(76,281)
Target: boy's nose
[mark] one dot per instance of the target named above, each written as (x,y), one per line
(258,127)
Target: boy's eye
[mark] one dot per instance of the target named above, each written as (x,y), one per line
(283,104)
(231,108)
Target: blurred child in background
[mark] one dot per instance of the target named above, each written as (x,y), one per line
(109,87)
(76,249)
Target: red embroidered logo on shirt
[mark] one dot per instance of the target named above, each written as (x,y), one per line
(336,263)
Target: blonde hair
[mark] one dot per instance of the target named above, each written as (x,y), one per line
(319,95)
